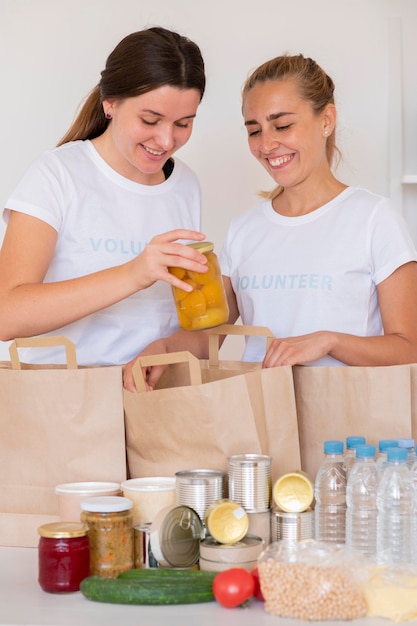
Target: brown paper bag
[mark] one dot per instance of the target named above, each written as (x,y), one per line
(58,424)
(338,402)
(216,409)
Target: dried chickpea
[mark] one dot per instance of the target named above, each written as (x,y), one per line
(310,592)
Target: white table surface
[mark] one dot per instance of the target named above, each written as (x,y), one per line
(23,602)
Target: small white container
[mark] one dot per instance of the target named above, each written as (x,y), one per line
(70,496)
(149,495)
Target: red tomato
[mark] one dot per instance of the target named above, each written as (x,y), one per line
(233,587)
(257,592)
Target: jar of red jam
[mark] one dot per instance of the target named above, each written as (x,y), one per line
(63,556)
(206,305)
(110,528)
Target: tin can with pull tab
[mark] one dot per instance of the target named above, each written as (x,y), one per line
(176,533)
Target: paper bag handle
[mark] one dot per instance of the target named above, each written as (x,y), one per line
(234,329)
(43,342)
(166,359)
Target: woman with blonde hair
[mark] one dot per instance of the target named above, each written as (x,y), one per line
(329,268)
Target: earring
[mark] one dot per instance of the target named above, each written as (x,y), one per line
(108,116)
(326,132)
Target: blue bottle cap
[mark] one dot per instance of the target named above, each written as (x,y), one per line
(333,447)
(352,442)
(365,451)
(383,444)
(397,454)
(405,443)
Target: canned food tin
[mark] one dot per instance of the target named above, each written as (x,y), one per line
(294,526)
(199,488)
(226,521)
(293,492)
(144,557)
(250,481)
(206,305)
(260,525)
(218,566)
(176,533)
(247,549)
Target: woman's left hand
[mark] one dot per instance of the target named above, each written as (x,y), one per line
(298,350)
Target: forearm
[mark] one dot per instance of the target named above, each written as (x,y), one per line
(392,349)
(34,309)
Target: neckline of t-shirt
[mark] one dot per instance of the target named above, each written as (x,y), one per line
(308,217)
(124,182)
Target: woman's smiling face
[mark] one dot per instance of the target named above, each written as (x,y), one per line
(147,130)
(285,134)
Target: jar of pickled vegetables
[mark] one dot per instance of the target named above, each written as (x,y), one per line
(206,305)
(63,556)
(110,529)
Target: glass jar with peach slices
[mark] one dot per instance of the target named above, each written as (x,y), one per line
(206,305)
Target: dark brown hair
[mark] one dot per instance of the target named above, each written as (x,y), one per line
(141,62)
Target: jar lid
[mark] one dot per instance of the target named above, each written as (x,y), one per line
(202,246)
(293,492)
(226,521)
(106,504)
(176,533)
(63,530)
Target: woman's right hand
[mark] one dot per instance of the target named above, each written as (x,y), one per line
(164,251)
(152,374)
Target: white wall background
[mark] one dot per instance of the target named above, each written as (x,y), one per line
(52,53)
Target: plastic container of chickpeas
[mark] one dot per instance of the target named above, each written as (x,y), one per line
(206,305)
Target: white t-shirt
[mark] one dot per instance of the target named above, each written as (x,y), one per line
(319,271)
(103,220)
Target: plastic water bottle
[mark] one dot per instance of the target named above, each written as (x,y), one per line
(330,494)
(408,444)
(350,453)
(396,510)
(361,491)
(383,445)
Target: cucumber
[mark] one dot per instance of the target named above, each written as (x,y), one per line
(134,591)
(165,574)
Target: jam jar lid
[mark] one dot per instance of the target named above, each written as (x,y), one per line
(202,246)
(106,504)
(63,530)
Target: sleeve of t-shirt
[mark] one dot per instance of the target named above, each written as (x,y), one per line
(389,241)
(40,192)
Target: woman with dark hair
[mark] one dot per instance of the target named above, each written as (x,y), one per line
(83,254)
(330,269)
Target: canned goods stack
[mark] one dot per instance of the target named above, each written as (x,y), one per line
(292,516)
(228,543)
(199,488)
(250,484)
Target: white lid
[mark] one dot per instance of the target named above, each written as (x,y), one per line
(86,488)
(106,504)
(153,483)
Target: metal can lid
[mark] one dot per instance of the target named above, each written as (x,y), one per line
(199,476)
(106,504)
(63,530)
(226,521)
(202,246)
(176,533)
(293,492)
